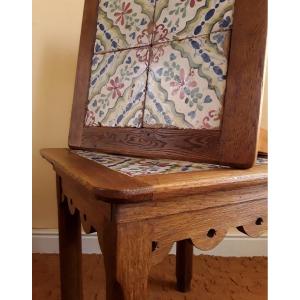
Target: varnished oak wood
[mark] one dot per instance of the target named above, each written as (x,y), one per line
(127,259)
(86,49)
(196,224)
(201,215)
(136,234)
(94,214)
(184,265)
(240,125)
(100,180)
(256,227)
(112,186)
(160,249)
(69,248)
(176,205)
(155,143)
(234,144)
(137,219)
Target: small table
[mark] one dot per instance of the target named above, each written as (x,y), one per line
(138,216)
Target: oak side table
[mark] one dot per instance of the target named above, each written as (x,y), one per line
(163,137)
(138,218)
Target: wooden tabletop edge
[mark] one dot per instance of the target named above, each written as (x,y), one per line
(149,188)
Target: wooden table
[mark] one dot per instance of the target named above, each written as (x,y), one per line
(138,219)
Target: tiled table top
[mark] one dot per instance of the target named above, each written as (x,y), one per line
(133,166)
(160,63)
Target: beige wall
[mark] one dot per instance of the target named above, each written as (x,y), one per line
(56,29)
(264,117)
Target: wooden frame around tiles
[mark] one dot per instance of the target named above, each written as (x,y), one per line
(231,145)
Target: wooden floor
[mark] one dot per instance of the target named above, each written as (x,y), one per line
(215,278)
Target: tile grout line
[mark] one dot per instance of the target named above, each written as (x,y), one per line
(164,42)
(153,23)
(148,66)
(150,47)
(146,88)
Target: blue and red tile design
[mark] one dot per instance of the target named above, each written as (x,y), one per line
(160,63)
(134,166)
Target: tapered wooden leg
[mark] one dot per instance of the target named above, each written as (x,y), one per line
(127,258)
(184,265)
(69,249)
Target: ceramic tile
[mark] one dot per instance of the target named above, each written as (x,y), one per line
(187,76)
(262,160)
(117,89)
(179,19)
(133,166)
(123,24)
(186,83)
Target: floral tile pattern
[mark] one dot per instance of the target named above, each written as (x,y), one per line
(117,89)
(133,166)
(160,63)
(123,24)
(180,19)
(186,83)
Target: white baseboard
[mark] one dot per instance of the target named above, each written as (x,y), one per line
(235,244)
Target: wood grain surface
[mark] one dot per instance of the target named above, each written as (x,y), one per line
(82,83)
(113,186)
(154,142)
(127,258)
(134,237)
(69,248)
(235,143)
(138,219)
(241,117)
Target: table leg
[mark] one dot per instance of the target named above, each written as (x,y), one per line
(127,257)
(69,249)
(184,265)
